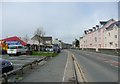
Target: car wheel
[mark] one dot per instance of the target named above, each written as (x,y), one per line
(18,54)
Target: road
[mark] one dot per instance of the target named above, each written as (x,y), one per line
(96,67)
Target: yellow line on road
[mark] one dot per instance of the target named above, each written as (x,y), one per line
(79,69)
(80,74)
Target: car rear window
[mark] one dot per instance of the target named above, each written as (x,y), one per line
(12,47)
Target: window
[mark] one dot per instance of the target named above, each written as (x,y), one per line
(115,44)
(111,43)
(47,42)
(100,45)
(115,36)
(105,45)
(20,47)
(95,39)
(90,44)
(109,34)
(12,47)
(105,37)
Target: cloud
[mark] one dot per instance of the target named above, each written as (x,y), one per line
(66,21)
(0,20)
(59,0)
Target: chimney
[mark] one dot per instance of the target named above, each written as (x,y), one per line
(90,30)
(81,37)
(97,26)
(85,31)
(94,28)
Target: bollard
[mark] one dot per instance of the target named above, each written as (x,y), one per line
(37,62)
(22,70)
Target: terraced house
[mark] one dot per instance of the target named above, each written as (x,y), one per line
(103,36)
(112,36)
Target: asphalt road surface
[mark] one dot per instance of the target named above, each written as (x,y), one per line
(21,60)
(52,71)
(97,67)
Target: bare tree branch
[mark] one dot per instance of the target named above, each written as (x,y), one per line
(26,38)
(38,34)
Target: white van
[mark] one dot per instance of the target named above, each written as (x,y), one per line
(16,50)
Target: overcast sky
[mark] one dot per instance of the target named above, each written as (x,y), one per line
(63,20)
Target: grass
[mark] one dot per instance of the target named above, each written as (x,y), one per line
(44,54)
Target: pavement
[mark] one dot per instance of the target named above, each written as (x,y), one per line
(52,71)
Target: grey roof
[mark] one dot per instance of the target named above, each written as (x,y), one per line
(42,38)
(36,37)
(105,22)
(117,23)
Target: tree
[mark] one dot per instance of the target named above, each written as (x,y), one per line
(76,43)
(26,38)
(38,34)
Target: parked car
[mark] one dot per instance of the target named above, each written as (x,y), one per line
(50,49)
(16,50)
(5,66)
(56,48)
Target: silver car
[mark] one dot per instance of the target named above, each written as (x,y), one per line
(16,50)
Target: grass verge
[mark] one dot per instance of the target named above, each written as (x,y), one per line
(44,54)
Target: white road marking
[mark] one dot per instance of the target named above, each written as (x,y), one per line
(106,61)
(116,66)
(65,69)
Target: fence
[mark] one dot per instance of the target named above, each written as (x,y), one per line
(5,75)
(105,51)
